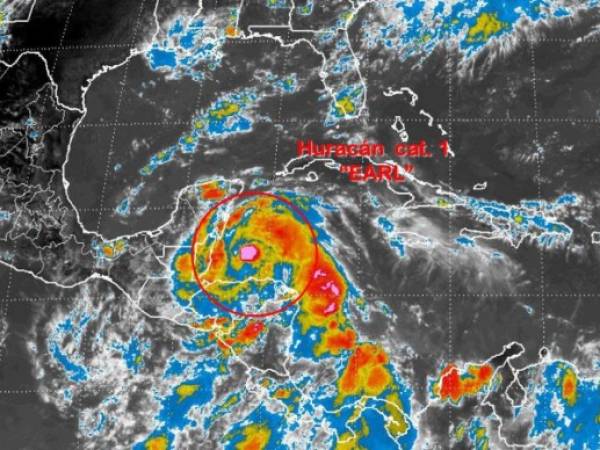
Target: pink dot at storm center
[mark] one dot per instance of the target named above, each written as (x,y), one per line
(249,252)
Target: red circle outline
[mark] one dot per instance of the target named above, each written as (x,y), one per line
(245,194)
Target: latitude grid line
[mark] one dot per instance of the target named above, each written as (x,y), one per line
(90,47)
(372,295)
(483,295)
(149,208)
(515,120)
(38,299)
(243,41)
(25,391)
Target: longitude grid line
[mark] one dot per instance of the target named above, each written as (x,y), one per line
(449,69)
(279,130)
(361,197)
(4,305)
(117,113)
(64,33)
(361,200)
(4,314)
(195,108)
(82,351)
(52,70)
(539,163)
(108,158)
(5,301)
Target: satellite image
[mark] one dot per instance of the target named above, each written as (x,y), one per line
(299,224)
